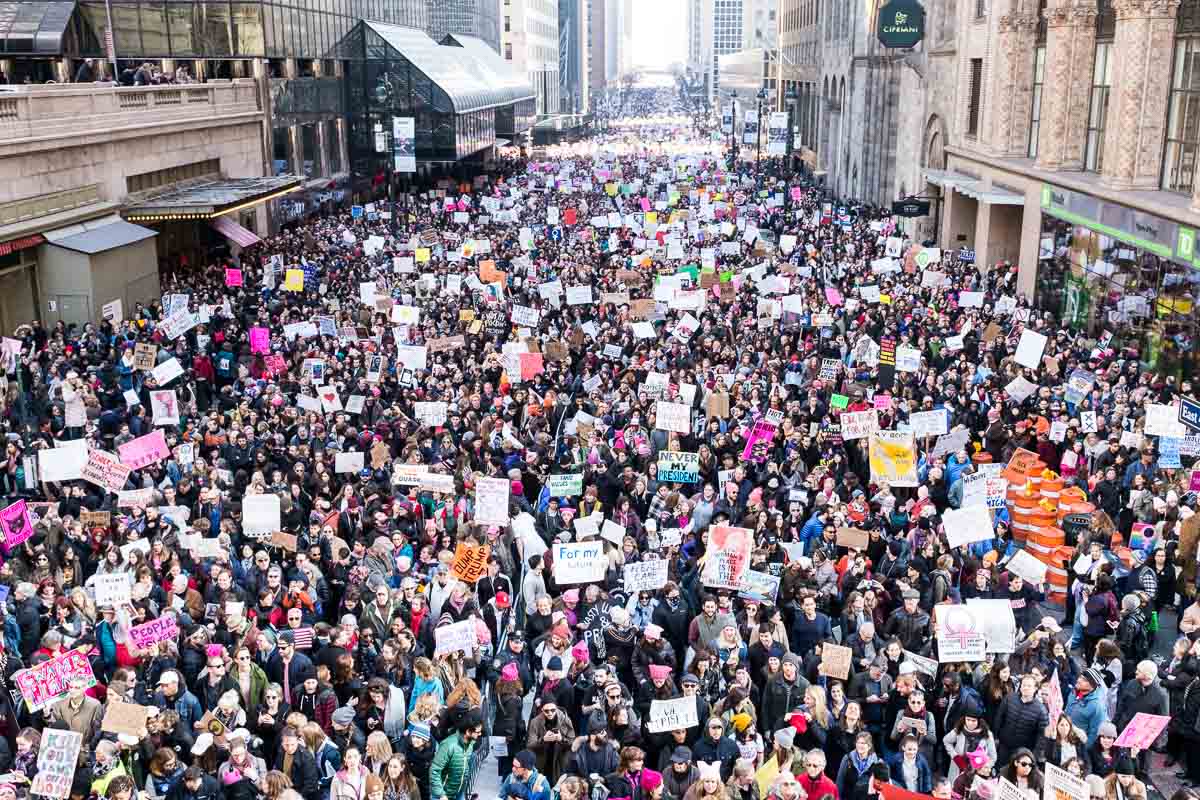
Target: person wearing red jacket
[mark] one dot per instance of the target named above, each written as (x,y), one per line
(814,781)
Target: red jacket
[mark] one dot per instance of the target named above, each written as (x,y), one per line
(819,786)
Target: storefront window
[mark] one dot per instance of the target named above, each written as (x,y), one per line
(333,147)
(312,151)
(1099,284)
(1183,121)
(282,162)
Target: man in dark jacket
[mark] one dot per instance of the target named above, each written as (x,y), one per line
(298,764)
(910,623)
(716,746)
(287,667)
(28,617)
(596,755)
(1020,720)
(196,785)
(784,692)
(1143,693)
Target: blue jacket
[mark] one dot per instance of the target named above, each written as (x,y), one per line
(1089,713)
(538,786)
(924,773)
(812,530)
(185,705)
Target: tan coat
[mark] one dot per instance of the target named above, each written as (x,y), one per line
(551,756)
(84,720)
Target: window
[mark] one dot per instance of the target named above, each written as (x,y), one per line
(975,95)
(1035,114)
(508,50)
(980,9)
(1098,114)
(508,24)
(1183,120)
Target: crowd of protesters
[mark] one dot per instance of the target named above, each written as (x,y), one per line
(308,666)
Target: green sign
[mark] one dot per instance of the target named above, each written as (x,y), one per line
(839,401)
(901,24)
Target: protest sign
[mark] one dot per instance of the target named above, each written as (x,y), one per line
(645,576)
(678,467)
(167,371)
(144,450)
(835,661)
(759,440)
(287,541)
(893,458)
(674,417)
(1029,349)
(57,762)
(350,462)
(455,637)
(62,462)
(728,557)
(92,519)
(929,423)
(760,586)
(966,525)
(1062,785)
(491,501)
(160,629)
(670,715)
(121,717)
(469,562)
(926,666)
(261,515)
(112,590)
(1027,567)
(1142,731)
(164,407)
(1053,697)
(994,619)
(105,470)
(565,485)
(859,424)
(43,684)
(581,562)
(144,356)
(1019,465)
(16,524)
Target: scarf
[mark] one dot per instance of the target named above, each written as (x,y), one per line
(862,764)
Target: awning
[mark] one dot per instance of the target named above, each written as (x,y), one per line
(234,232)
(99,236)
(34,26)
(974,188)
(211,199)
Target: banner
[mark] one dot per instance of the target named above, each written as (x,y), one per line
(42,685)
(893,457)
(57,762)
(727,120)
(750,127)
(728,557)
(672,715)
(583,562)
(645,576)
(777,134)
(678,467)
(404,138)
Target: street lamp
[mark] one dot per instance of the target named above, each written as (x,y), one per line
(789,98)
(733,145)
(762,95)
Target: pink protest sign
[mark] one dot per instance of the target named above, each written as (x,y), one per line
(758,441)
(156,630)
(833,296)
(531,365)
(797,193)
(233,277)
(144,450)
(16,524)
(883,402)
(1194,484)
(645,204)
(275,363)
(1053,697)
(44,683)
(260,340)
(1142,730)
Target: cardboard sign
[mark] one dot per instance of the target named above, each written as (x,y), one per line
(92,519)
(469,562)
(855,538)
(835,661)
(287,541)
(1019,465)
(671,715)
(44,684)
(144,356)
(156,630)
(121,717)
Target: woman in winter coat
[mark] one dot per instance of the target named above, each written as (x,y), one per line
(916,720)
(1101,608)
(1061,742)
(856,764)
(968,734)
(510,719)
(350,782)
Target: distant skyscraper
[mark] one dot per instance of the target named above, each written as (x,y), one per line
(573,55)
(530,41)
(479,18)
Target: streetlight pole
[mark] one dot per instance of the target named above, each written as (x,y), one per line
(762,95)
(790,100)
(733,145)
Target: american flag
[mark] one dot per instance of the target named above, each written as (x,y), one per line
(304,638)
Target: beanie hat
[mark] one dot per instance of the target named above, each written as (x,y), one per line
(420,730)
(1092,676)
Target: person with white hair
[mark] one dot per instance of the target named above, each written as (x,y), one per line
(1142,694)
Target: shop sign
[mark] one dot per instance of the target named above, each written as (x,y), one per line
(25,242)
(1137,228)
(910,208)
(901,24)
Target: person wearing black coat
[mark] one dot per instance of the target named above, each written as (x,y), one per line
(419,749)
(714,745)
(295,761)
(195,785)
(673,616)
(866,787)
(28,617)
(1020,720)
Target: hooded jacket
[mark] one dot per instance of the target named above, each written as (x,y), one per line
(1088,712)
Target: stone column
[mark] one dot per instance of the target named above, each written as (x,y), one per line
(1070,53)
(1138,103)
(1024,42)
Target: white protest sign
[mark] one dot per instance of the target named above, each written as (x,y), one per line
(261,515)
(670,715)
(112,590)
(456,637)
(1030,348)
(1027,567)
(645,576)
(491,501)
(674,417)
(582,562)
(967,525)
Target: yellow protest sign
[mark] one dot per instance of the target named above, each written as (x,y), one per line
(893,457)
(610,189)
(293,280)
(422,255)
(651,217)
(766,775)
